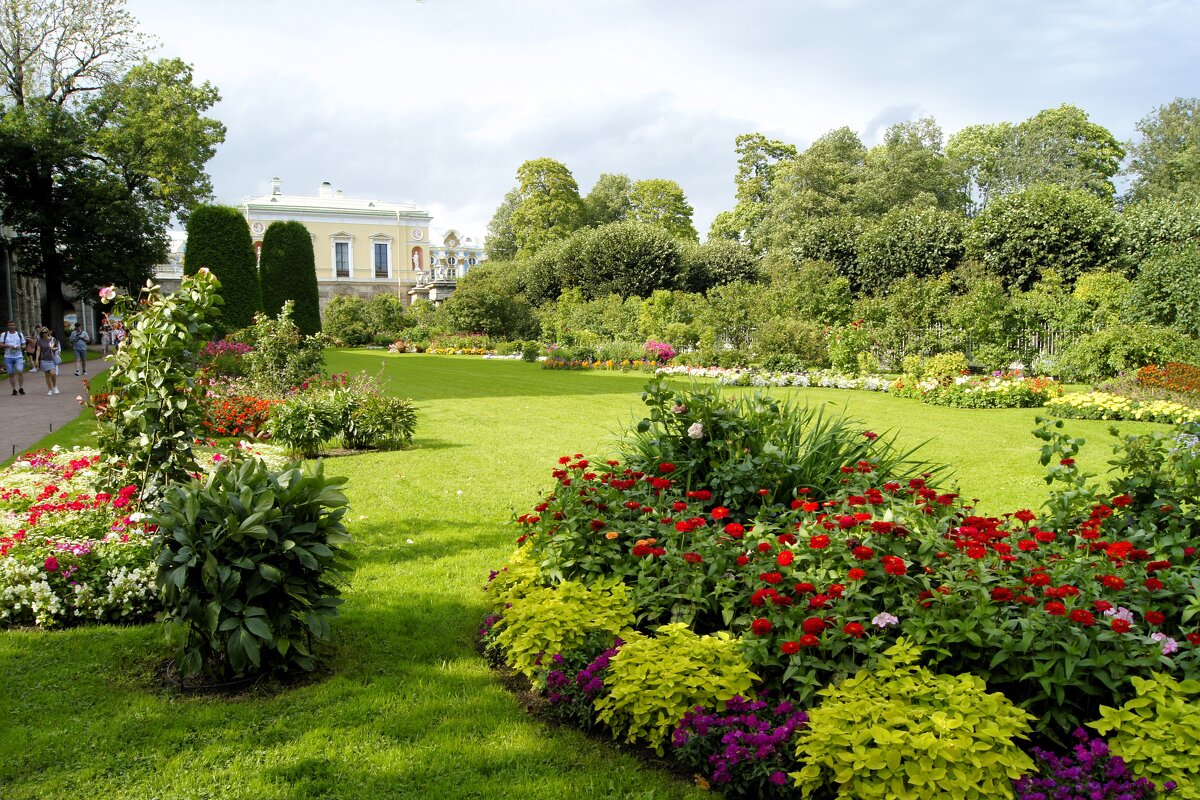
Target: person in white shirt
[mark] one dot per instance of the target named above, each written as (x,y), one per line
(80,339)
(14,357)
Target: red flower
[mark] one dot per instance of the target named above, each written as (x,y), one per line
(51,564)
(764,547)
(743,560)
(856,574)
(693,558)
(790,648)
(735,530)
(819,542)
(814,625)
(1122,500)
(678,505)
(1002,595)
(810,506)
(761,627)
(804,588)
(1084,618)
(1112,582)
(1194,638)
(808,640)
(976,551)
(1055,608)
(770,577)
(1153,584)
(863,553)
(853,629)
(720,512)
(785,558)
(835,590)
(846,522)
(1120,626)
(893,565)
(1067,462)
(1155,617)
(666,467)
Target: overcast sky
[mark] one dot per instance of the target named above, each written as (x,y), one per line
(438,102)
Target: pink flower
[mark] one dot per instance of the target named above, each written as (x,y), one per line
(51,564)
(108,293)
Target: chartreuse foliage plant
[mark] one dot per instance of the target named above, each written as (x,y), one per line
(654,681)
(1158,732)
(250,566)
(901,731)
(154,409)
(545,620)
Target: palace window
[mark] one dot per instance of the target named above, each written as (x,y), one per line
(341,259)
(381,257)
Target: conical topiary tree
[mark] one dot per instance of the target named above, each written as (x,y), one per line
(288,271)
(219,238)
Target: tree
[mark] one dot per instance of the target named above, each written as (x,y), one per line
(717,262)
(661,202)
(627,259)
(550,208)
(909,240)
(909,167)
(818,183)
(501,242)
(1160,224)
(609,200)
(287,271)
(759,159)
(487,301)
(219,239)
(1165,161)
(833,240)
(1044,227)
(1167,292)
(976,156)
(89,122)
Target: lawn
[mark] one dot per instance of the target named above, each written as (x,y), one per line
(410,710)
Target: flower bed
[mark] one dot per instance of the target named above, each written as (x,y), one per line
(68,555)
(1172,376)
(1103,405)
(1060,611)
(736,376)
(623,365)
(236,415)
(1004,390)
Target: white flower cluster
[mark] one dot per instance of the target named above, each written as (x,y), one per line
(828,379)
(24,588)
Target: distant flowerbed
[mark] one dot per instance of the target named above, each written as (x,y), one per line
(1103,405)
(825,378)
(606,364)
(1173,376)
(1001,390)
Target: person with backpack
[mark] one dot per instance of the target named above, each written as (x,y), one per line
(79,342)
(14,357)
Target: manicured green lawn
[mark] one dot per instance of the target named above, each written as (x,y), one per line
(411,711)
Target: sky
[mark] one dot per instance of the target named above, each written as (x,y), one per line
(437,102)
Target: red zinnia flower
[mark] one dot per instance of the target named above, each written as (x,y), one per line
(1155,617)
(1120,626)
(693,558)
(1055,608)
(853,629)
(1153,584)
(761,627)
(785,558)
(856,574)
(770,577)
(720,512)
(666,466)
(735,530)
(808,640)
(1084,618)
(814,625)
(790,648)
(863,553)
(819,542)
(1002,595)
(51,564)
(804,588)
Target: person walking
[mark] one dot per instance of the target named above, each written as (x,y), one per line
(47,358)
(79,343)
(14,357)
(105,336)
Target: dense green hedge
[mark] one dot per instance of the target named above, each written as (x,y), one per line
(288,272)
(219,238)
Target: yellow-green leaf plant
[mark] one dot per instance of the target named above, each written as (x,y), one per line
(653,681)
(557,619)
(901,731)
(1158,732)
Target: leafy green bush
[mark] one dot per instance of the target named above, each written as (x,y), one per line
(544,620)
(900,731)
(282,357)
(249,567)
(346,321)
(304,422)
(1166,291)
(791,337)
(909,240)
(1158,732)
(218,239)
(944,366)
(530,350)
(154,409)
(372,420)
(654,681)
(1123,348)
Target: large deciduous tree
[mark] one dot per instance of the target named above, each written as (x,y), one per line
(661,202)
(609,200)
(1165,160)
(219,239)
(287,271)
(759,160)
(550,208)
(98,147)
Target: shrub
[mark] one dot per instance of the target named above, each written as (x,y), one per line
(1158,733)
(1122,348)
(654,681)
(249,567)
(282,357)
(288,271)
(346,321)
(901,731)
(945,366)
(154,412)
(224,359)
(629,259)
(218,239)
(845,343)
(909,240)
(545,620)
(530,350)
(371,420)
(802,344)
(304,422)
(1166,292)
